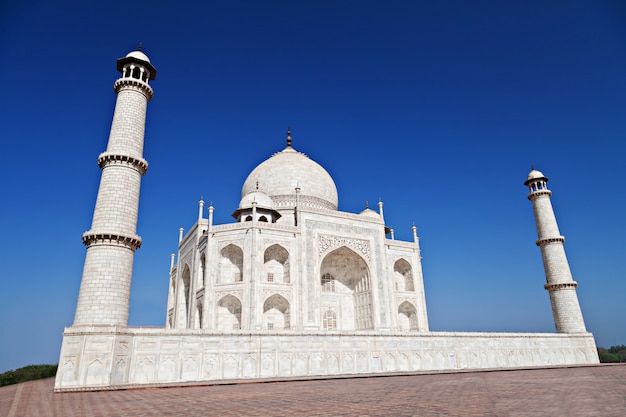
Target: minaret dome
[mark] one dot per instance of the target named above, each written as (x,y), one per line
(136,65)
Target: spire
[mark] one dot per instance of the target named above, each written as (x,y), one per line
(211,214)
(289,136)
(200,209)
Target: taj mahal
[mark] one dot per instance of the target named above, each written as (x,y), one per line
(292,287)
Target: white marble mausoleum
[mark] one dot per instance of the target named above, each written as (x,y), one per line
(292,287)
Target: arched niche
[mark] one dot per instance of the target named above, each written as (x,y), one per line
(231,265)
(276,315)
(198,320)
(201,279)
(184,299)
(276,264)
(407,317)
(403,275)
(228,313)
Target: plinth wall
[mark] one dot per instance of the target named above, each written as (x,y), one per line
(119,357)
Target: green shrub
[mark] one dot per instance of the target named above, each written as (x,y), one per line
(608,357)
(27,373)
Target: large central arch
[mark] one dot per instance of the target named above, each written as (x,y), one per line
(350,291)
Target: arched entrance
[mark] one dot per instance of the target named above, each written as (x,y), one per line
(345,283)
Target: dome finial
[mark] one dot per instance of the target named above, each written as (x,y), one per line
(140,47)
(367,205)
(288,136)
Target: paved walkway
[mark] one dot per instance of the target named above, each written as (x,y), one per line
(579,391)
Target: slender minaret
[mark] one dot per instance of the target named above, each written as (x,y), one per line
(104,295)
(562,288)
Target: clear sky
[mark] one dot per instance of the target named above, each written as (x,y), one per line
(439,108)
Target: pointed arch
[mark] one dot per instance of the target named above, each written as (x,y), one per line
(201,279)
(199,316)
(229,313)
(184,299)
(231,264)
(171,303)
(403,275)
(172,294)
(276,264)
(407,317)
(276,314)
(351,277)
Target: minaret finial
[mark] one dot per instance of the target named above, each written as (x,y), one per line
(367,204)
(532,167)
(140,46)
(289,136)
(257,185)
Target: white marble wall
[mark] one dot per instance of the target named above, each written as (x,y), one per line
(93,358)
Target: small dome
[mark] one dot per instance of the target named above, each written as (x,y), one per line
(139,58)
(534,174)
(261,199)
(138,55)
(368,212)
(279,176)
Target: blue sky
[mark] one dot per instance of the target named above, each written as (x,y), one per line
(437,108)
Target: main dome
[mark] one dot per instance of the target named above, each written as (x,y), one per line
(283,172)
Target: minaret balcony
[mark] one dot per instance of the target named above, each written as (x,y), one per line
(141,86)
(547,241)
(561,286)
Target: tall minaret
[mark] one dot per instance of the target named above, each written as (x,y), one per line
(562,288)
(104,295)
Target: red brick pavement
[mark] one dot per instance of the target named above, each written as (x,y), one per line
(579,391)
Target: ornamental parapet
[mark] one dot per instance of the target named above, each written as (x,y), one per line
(131,242)
(134,84)
(547,241)
(561,286)
(539,193)
(289,201)
(140,164)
